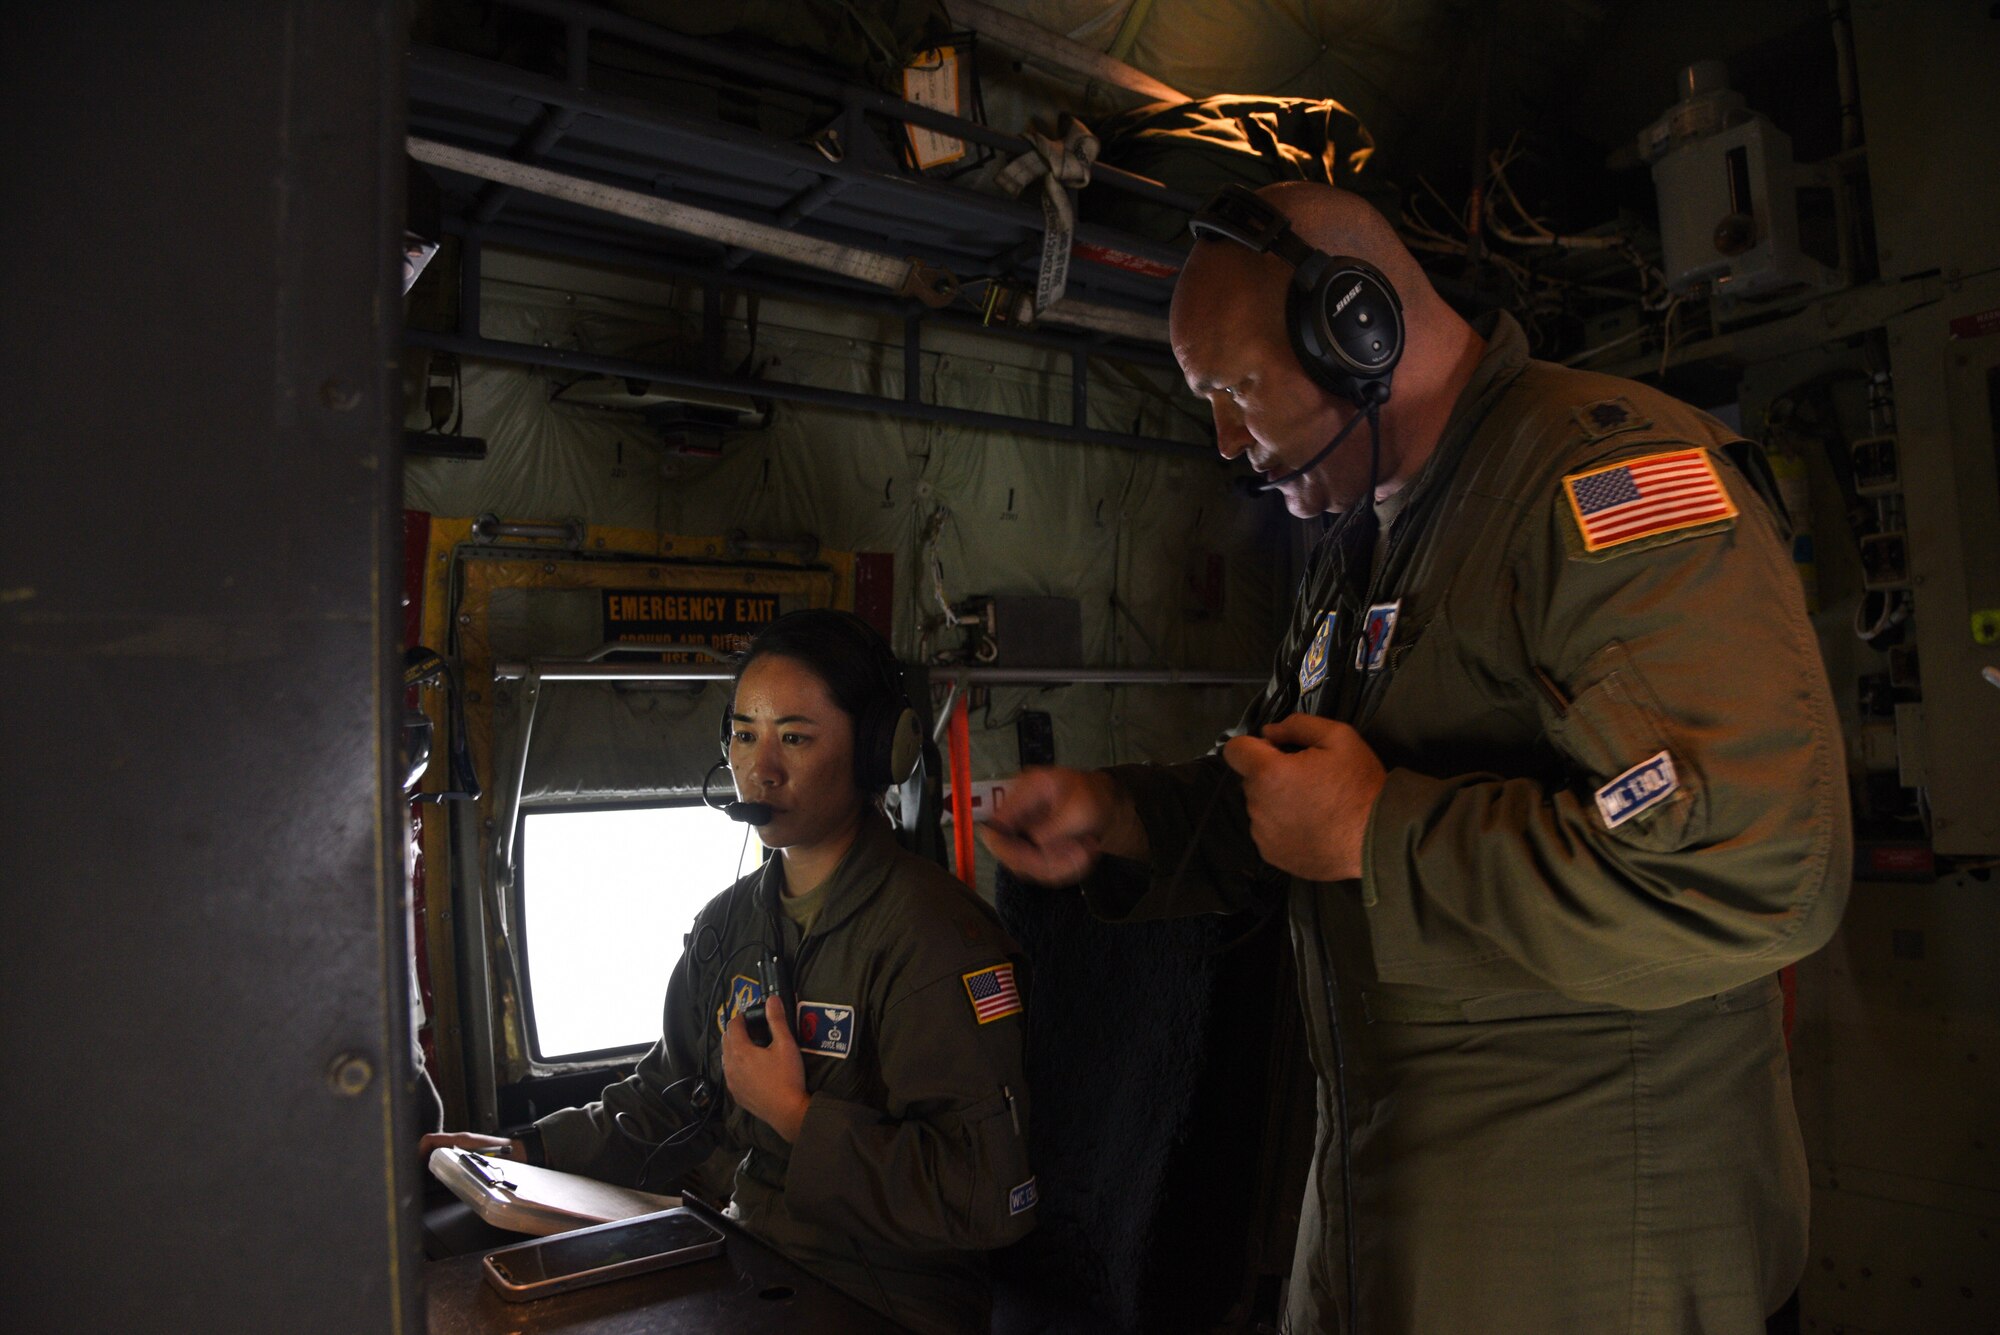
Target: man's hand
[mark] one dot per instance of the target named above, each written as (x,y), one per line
(1051,824)
(768,1083)
(1309,809)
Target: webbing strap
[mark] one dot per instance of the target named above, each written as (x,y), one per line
(1062,164)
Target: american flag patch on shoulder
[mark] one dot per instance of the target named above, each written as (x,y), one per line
(994,996)
(1661,493)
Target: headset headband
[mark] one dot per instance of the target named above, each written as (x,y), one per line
(1237,214)
(1342,315)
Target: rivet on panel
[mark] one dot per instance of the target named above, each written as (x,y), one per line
(350,1074)
(338,395)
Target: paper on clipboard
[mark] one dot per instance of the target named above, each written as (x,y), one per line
(526,1199)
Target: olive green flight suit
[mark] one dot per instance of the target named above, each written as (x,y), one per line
(912,1160)
(1553,1090)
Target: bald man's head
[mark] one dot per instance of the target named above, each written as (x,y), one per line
(1228,330)
(1222,279)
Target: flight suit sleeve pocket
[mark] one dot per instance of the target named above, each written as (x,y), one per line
(1631,778)
(998,1160)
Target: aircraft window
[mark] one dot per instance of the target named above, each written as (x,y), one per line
(607,894)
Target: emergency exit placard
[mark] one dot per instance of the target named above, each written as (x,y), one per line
(719,619)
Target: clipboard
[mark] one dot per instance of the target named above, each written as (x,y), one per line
(525,1199)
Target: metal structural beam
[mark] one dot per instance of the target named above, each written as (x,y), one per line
(621,252)
(905,276)
(855,196)
(1828,319)
(548,671)
(518,150)
(850,189)
(801,79)
(534,354)
(1030,39)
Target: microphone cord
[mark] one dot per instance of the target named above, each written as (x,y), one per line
(1372,412)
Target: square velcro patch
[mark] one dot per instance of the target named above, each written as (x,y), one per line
(826,1029)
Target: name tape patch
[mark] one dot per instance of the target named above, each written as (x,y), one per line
(1371,648)
(1312,668)
(994,995)
(745,994)
(1638,789)
(1022,1198)
(826,1029)
(1662,493)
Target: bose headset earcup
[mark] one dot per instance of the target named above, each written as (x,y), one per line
(1342,314)
(1346,327)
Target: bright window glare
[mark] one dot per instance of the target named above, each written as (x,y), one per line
(607,897)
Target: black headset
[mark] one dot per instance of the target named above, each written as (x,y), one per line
(1342,314)
(888,742)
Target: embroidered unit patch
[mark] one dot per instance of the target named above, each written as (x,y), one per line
(1658,494)
(1312,668)
(1638,789)
(994,996)
(1372,647)
(826,1029)
(1022,1198)
(745,994)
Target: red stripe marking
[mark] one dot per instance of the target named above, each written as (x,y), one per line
(1671,505)
(1679,500)
(1689,505)
(1655,523)
(1676,471)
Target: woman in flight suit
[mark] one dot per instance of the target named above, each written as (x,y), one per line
(883,1130)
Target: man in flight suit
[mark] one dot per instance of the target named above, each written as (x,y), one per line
(1549,777)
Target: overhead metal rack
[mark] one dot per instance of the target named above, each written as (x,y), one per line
(858,195)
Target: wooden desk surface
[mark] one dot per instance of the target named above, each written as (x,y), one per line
(747,1290)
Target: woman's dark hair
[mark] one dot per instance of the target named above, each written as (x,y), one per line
(859,670)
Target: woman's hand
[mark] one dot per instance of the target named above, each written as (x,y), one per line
(493,1147)
(768,1083)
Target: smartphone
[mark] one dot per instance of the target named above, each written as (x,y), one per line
(1035,734)
(585,1256)
(755,1022)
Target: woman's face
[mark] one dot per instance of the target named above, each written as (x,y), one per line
(790,745)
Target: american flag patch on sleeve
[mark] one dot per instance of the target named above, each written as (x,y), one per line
(994,996)
(1661,493)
